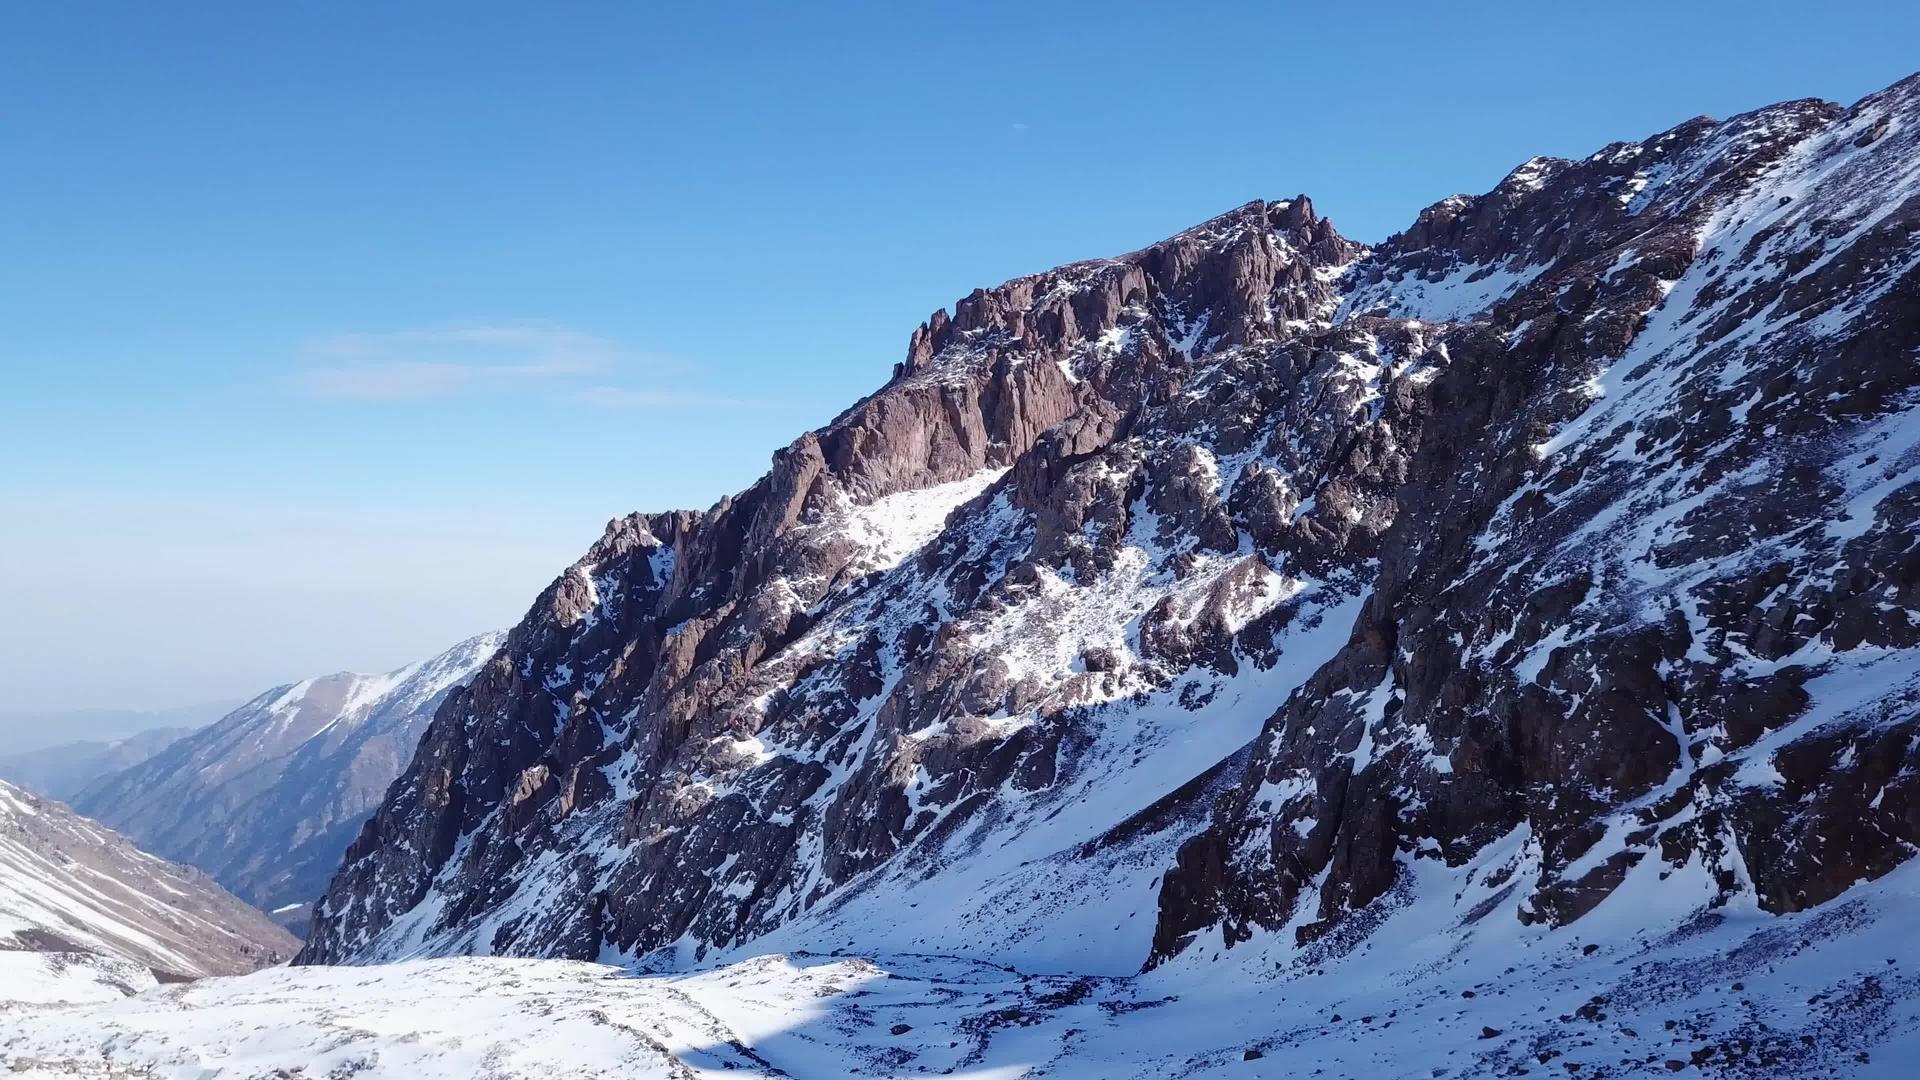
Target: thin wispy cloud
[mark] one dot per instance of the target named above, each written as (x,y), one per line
(626,397)
(437,363)
(441,362)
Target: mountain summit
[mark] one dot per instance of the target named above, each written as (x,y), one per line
(1253,594)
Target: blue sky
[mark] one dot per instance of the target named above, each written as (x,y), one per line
(330,332)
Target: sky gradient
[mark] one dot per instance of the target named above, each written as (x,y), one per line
(329,333)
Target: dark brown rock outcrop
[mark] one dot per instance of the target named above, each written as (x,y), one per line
(1621,621)
(1052,423)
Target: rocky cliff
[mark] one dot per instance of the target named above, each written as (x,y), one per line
(1222,588)
(1645,615)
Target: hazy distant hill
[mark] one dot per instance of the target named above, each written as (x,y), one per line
(267,799)
(37,729)
(60,772)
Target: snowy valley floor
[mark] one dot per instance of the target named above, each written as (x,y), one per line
(1831,992)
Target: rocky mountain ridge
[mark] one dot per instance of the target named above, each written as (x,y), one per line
(1648,607)
(1253,587)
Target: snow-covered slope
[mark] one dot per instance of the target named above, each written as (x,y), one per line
(84,914)
(266,799)
(1638,993)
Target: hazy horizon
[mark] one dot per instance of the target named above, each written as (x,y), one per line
(23,731)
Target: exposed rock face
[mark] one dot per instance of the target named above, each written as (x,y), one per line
(1646,610)
(268,798)
(95,913)
(715,722)
(1564,512)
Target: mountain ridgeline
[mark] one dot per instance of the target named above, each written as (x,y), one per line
(267,798)
(1252,588)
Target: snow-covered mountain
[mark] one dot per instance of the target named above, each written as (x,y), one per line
(62,771)
(1255,585)
(85,915)
(266,799)
(1492,652)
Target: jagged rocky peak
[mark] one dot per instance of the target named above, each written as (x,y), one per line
(817,639)
(1253,579)
(1645,625)
(1465,253)
(1248,274)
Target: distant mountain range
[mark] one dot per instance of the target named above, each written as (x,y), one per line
(60,772)
(24,731)
(268,798)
